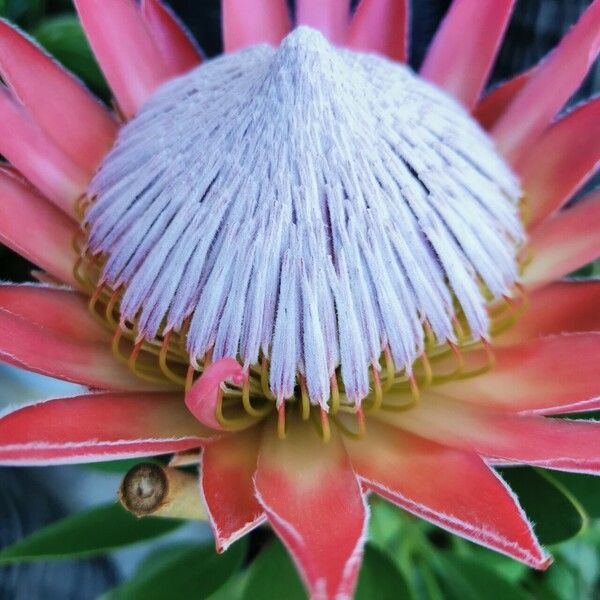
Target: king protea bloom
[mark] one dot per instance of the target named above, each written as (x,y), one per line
(332,275)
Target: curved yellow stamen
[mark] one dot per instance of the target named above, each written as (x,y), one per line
(378,392)
(110,309)
(253,412)
(264,378)
(162,361)
(427,368)
(231,424)
(116,346)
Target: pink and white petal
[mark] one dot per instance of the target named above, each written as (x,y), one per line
(564,242)
(555,81)
(132,63)
(59,310)
(526,439)
(380,26)
(315,504)
(34,228)
(59,103)
(204,396)
(562,307)
(491,107)
(97,427)
(174,41)
(554,374)
(254,22)
(331,17)
(45,346)
(452,488)
(461,55)
(561,161)
(31,151)
(231,506)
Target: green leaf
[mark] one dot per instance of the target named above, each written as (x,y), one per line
(233,589)
(23,12)
(380,578)
(272,575)
(182,572)
(556,516)
(586,488)
(590,270)
(93,531)
(386,524)
(466,579)
(508,568)
(63,37)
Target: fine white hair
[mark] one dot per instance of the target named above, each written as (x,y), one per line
(309,202)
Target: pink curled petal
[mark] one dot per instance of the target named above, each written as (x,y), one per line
(467,497)
(132,63)
(561,161)
(331,17)
(59,103)
(171,37)
(491,107)
(555,80)
(380,26)
(254,22)
(37,157)
(203,397)
(37,230)
(564,242)
(462,53)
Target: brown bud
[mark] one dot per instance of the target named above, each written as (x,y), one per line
(151,489)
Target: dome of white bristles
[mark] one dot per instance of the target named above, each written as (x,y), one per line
(309,202)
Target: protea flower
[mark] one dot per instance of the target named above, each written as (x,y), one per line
(332,275)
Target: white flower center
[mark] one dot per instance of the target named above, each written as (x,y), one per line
(311,203)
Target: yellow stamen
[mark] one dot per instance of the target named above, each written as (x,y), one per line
(378,392)
(335,395)
(162,361)
(427,368)
(189,378)
(390,369)
(281,421)
(414,389)
(264,378)
(360,419)
(304,398)
(253,412)
(325,428)
(116,346)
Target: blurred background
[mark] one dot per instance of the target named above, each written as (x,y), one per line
(406,558)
